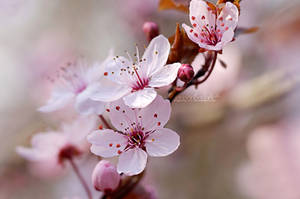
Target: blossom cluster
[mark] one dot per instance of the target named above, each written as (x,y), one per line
(124,88)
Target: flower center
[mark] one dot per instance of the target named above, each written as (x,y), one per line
(68,152)
(136,139)
(81,88)
(141,83)
(209,36)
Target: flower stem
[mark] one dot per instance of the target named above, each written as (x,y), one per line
(211,64)
(81,179)
(105,122)
(126,187)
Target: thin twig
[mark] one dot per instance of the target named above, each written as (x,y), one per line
(81,179)
(125,189)
(209,72)
(195,81)
(105,122)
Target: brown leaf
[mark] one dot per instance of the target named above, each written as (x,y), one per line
(182,48)
(170,4)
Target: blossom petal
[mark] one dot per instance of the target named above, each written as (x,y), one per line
(140,98)
(226,38)
(76,131)
(96,71)
(156,54)
(121,115)
(132,162)
(44,146)
(228,17)
(47,139)
(58,100)
(155,114)
(107,143)
(165,75)
(117,70)
(162,142)
(192,36)
(108,91)
(201,14)
(31,154)
(86,106)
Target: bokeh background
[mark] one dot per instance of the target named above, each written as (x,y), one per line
(239,130)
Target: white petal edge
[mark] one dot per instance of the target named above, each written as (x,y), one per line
(156,54)
(132,162)
(101,140)
(108,91)
(140,98)
(86,106)
(156,114)
(121,115)
(226,38)
(58,100)
(162,142)
(165,76)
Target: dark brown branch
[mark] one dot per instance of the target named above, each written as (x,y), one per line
(209,65)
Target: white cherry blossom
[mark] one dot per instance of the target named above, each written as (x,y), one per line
(139,133)
(138,78)
(210,29)
(73,84)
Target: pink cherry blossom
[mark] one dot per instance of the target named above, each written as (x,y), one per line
(73,84)
(211,31)
(52,147)
(139,133)
(139,78)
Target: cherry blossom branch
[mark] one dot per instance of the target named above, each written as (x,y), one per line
(208,66)
(105,122)
(81,179)
(130,183)
(209,72)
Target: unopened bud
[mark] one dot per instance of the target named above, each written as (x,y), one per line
(105,177)
(185,72)
(151,30)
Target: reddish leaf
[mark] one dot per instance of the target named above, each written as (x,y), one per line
(182,48)
(170,4)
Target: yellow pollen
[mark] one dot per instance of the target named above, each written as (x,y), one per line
(153,139)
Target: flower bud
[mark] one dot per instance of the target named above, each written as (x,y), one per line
(185,72)
(151,30)
(105,177)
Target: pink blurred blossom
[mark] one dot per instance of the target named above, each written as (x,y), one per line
(49,149)
(274,167)
(49,52)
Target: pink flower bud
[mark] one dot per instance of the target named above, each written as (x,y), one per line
(151,30)
(105,177)
(185,72)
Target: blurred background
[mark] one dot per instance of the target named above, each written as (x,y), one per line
(239,130)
